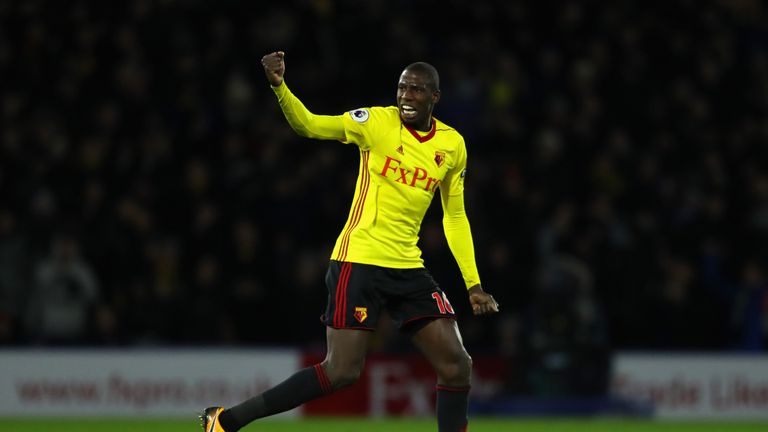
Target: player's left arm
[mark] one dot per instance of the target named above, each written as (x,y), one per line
(459,235)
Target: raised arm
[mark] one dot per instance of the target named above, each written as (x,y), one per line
(303,121)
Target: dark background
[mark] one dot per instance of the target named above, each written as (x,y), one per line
(151,193)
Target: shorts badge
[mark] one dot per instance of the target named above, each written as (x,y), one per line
(361,313)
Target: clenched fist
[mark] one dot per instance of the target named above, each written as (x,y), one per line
(274,67)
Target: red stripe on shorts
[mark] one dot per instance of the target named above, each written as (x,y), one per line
(340,314)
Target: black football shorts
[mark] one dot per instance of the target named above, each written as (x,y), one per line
(357,293)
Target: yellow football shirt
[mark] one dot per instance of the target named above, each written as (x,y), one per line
(400,171)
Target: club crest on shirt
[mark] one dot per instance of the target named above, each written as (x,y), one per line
(359,115)
(361,313)
(439,158)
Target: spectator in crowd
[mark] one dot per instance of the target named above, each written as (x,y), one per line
(14,276)
(65,289)
(750,309)
(565,341)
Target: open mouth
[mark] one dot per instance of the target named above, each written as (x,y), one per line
(408,112)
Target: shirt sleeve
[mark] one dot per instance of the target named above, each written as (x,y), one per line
(357,126)
(455,222)
(304,122)
(362,125)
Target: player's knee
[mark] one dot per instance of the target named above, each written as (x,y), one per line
(456,370)
(347,377)
(343,375)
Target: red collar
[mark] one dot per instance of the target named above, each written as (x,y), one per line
(426,137)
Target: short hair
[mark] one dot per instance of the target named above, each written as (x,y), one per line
(428,70)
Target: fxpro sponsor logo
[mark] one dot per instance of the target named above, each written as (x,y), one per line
(418,177)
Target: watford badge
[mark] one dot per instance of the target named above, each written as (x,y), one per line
(439,158)
(361,313)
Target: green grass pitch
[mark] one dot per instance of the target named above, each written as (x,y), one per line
(381,425)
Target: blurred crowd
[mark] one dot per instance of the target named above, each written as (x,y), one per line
(152,193)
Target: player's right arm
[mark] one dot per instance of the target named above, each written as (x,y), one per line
(303,121)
